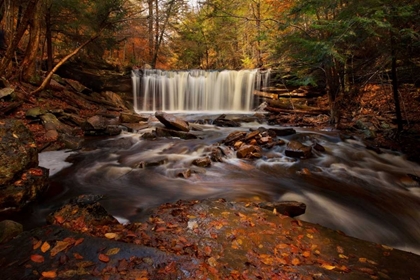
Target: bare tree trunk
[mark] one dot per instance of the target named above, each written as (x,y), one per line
(27,16)
(48,36)
(47,79)
(29,62)
(150,23)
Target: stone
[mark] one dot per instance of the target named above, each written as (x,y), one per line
(234,137)
(172,122)
(6,92)
(132,118)
(252,135)
(282,132)
(202,162)
(318,147)
(297,150)
(223,122)
(248,151)
(9,229)
(51,135)
(287,208)
(51,122)
(34,112)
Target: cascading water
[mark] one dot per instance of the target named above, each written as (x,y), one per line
(195,90)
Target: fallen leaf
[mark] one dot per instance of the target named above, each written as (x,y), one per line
(340,250)
(111,235)
(59,219)
(387,247)
(36,171)
(77,256)
(295,261)
(37,258)
(306,254)
(45,247)
(37,244)
(362,260)
(103,258)
(328,266)
(49,274)
(112,251)
(60,246)
(79,241)
(343,256)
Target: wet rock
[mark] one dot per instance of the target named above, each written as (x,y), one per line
(51,122)
(287,208)
(98,125)
(77,86)
(35,112)
(163,132)
(86,199)
(222,121)
(172,122)
(283,132)
(6,92)
(135,127)
(71,142)
(234,137)
(202,162)
(9,229)
(21,180)
(318,147)
(248,151)
(132,118)
(154,161)
(297,150)
(252,135)
(51,135)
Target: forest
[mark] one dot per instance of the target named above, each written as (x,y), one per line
(337,45)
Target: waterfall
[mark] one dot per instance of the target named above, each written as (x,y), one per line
(196,90)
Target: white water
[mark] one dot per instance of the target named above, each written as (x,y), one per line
(196,90)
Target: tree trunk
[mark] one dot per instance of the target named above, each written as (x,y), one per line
(333,87)
(395,89)
(28,15)
(150,25)
(29,62)
(48,36)
(47,79)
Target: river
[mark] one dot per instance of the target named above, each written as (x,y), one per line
(347,187)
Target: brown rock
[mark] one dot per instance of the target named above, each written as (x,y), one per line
(172,122)
(202,162)
(288,208)
(297,150)
(9,229)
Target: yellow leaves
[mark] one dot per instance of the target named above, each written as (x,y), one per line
(387,247)
(37,258)
(112,251)
(49,274)
(45,247)
(266,259)
(59,246)
(365,260)
(310,236)
(340,250)
(111,235)
(342,256)
(327,266)
(37,244)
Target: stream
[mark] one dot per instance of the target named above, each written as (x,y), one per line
(347,187)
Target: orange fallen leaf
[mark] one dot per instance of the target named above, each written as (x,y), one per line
(59,219)
(103,258)
(45,247)
(295,261)
(77,256)
(49,274)
(328,266)
(79,241)
(37,244)
(306,254)
(37,258)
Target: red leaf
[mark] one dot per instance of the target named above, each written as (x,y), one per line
(37,258)
(103,258)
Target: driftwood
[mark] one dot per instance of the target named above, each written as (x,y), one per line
(291,111)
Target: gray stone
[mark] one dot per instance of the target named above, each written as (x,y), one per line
(6,92)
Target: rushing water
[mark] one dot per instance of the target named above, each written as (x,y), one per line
(347,187)
(196,90)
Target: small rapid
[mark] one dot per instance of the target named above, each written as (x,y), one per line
(347,187)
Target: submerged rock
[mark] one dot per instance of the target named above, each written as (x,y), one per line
(297,150)
(164,132)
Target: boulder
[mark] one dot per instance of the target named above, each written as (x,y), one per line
(297,150)
(9,229)
(222,121)
(248,151)
(21,180)
(282,132)
(172,122)
(202,162)
(132,118)
(6,92)
(287,208)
